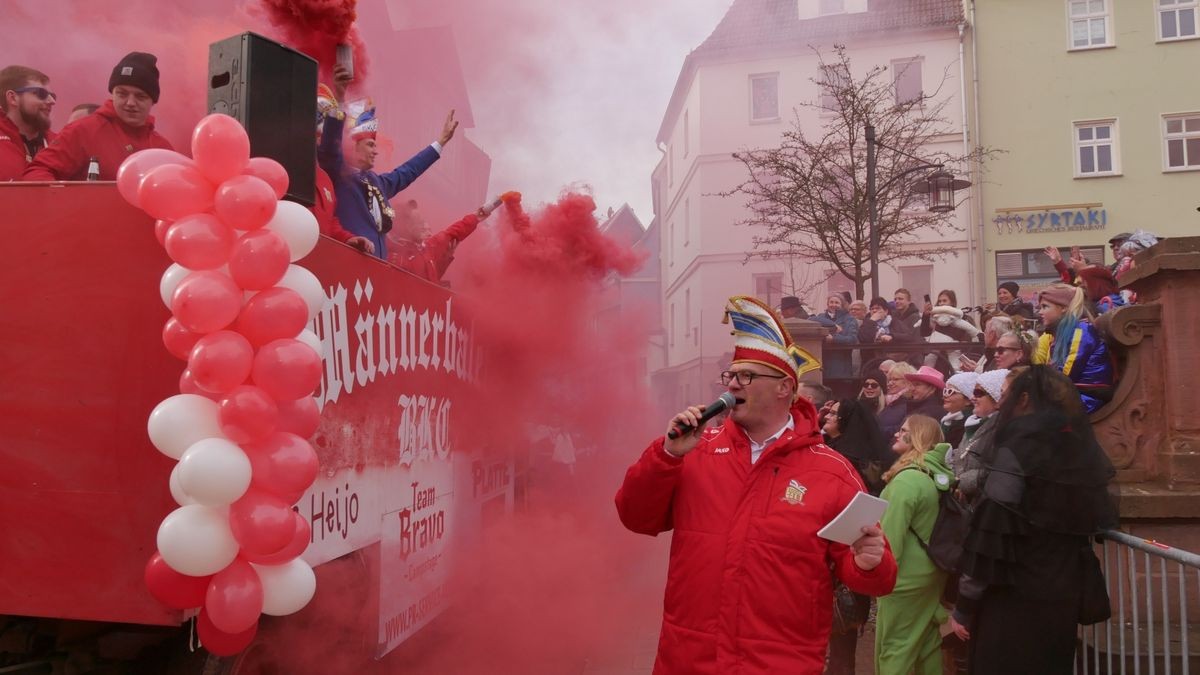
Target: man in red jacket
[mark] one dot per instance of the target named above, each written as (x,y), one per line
(25,125)
(411,248)
(121,127)
(750,584)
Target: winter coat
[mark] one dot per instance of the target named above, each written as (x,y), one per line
(906,627)
(1087,364)
(892,417)
(429,259)
(954,426)
(101,135)
(350,185)
(1016,308)
(838,364)
(14,156)
(750,584)
(967,460)
(906,325)
(930,407)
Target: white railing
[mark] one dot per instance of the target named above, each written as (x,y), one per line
(1150,594)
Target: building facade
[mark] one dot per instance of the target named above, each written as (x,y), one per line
(741,89)
(1097,105)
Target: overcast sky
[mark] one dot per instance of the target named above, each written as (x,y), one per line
(571,91)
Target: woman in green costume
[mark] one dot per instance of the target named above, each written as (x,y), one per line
(906,630)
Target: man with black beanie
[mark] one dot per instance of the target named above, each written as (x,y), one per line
(121,127)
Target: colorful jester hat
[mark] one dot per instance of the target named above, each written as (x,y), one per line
(759,337)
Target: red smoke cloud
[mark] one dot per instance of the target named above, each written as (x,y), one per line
(316,27)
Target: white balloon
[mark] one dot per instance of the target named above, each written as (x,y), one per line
(196,540)
(307,285)
(170,279)
(181,498)
(310,338)
(179,421)
(287,588)
(214,472)
(298,227)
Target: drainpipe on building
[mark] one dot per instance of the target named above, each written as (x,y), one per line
(978,182)
(966,139)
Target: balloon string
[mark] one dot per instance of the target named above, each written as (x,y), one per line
(193,643)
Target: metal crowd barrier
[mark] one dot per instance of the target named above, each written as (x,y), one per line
(1151,598)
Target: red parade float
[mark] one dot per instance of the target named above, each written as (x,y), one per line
(397,502)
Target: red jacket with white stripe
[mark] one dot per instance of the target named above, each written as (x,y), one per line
(14,157)
(750,584)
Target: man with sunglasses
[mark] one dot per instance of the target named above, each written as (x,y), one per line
(25,125)
(750,584)
(121,127)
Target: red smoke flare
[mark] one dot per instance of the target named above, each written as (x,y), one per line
(317,27)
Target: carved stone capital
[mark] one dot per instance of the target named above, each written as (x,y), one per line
(1130,324)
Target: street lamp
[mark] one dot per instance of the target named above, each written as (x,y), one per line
(940,186)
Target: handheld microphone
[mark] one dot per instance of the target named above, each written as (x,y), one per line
(715,408)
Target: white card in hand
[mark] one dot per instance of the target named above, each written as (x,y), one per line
(862,511)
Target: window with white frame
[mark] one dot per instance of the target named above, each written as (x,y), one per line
(769,288)
(831,7)
(1090,23)
(1177,19)
(906,79)
(1181,141)
(833,78)
(764,97)
(1096,149)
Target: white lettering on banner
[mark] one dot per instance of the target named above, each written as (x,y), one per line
(424,430)
(388,340)
(489,480)
(413,617)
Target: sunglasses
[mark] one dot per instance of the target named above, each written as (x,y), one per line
(41,92)
(979,393)
(870,385)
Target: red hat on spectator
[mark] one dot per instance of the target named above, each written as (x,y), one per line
(1097,282)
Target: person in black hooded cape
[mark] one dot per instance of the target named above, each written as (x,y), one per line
(854,433)
(1028,544)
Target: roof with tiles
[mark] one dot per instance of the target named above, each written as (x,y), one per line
(758,26)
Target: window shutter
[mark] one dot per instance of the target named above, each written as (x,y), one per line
(1009,265)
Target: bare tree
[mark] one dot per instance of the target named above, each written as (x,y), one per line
(809,194)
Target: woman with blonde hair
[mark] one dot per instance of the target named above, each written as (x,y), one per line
(906,629)
(895,407)
(1073,346)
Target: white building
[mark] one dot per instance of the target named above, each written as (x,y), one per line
(740,90)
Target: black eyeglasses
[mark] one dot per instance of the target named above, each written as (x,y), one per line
(41,92)
(870,385)
(745,377)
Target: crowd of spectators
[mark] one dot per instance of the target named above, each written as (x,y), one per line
(352,202)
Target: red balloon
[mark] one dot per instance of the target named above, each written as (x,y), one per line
(206,301)
(286,369)
(300,539)
(136,166)
(187,385)
(270,171)
(178,339)
(160,230)
(259,260)
(245,202)
(172,191)
(300,417)
(221,361)
(247,414)
(217,641)
(220,147)
(175,590)
(234,598)
(261,522)
(273,314)
(199,242)
(283,464)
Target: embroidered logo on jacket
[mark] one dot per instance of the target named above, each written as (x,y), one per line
(794,493)
(720,451)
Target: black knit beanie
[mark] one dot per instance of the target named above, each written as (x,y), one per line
(137,69)
(1010,286)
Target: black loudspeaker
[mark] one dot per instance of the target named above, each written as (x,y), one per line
(272,90)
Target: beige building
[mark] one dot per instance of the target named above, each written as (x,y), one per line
(739,90)
(1097,103)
